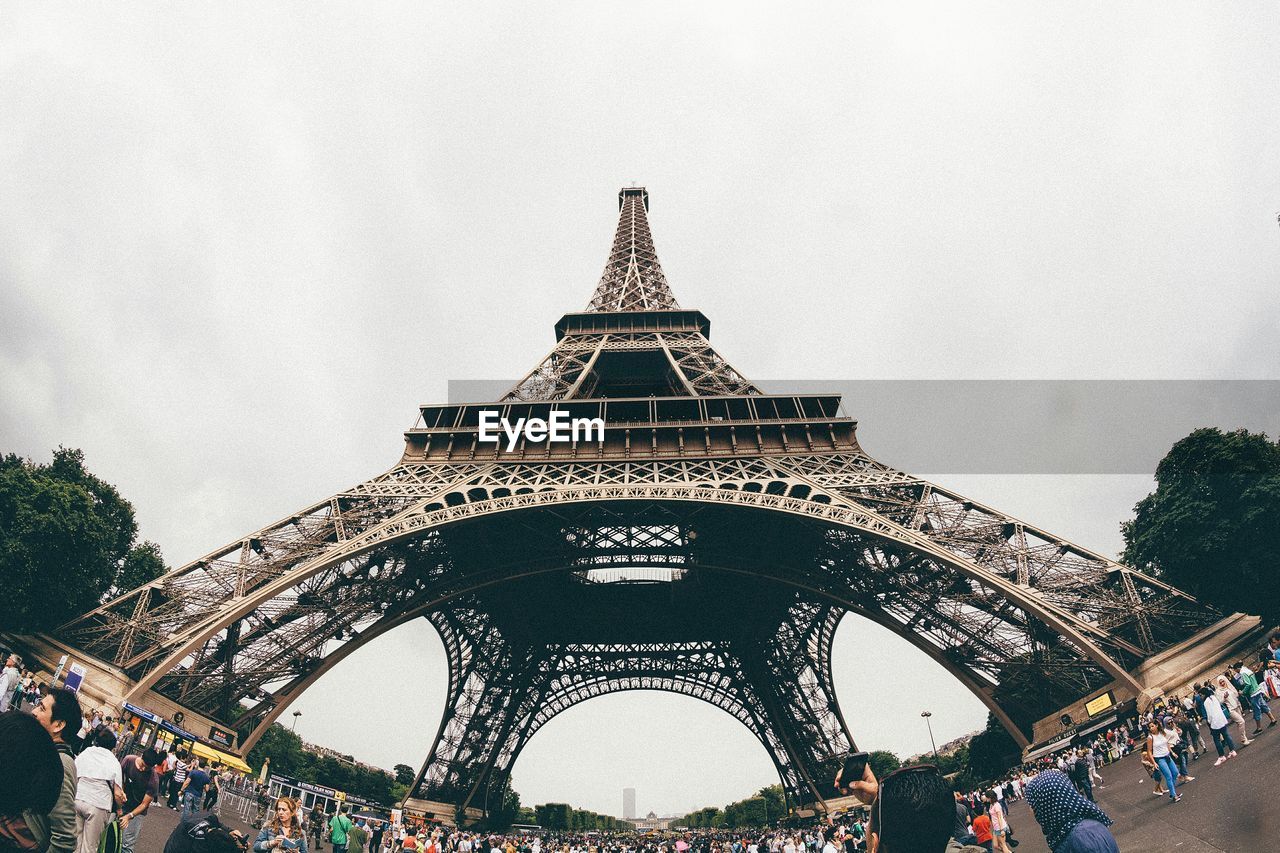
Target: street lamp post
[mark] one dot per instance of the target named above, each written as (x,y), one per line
(927,715)
(296,715)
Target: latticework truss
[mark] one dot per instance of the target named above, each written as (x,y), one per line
(708,546)
(633,279)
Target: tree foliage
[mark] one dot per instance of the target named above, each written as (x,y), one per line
(565,816)
(288,758)
(404,774)
(992,752)
(883,762)
(68,540)
(763,809)
(1212,526)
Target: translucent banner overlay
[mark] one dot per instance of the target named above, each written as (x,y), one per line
(1019,426)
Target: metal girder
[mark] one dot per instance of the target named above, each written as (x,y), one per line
(552,581)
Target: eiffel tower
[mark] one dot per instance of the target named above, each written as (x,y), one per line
(708,544)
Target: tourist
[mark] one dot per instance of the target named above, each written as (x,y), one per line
(59,713)
(1070,823)
(982,831)
(1229,696)
(963,831)
(913,811)
(30,782)
(338,829)
(10,681)
(1160,753)
(999,825)
(141,789)
(1177,749)
(98,789)
(315,826)
(1217,726)
(1252,691)
(192,791)
(1189,729)
(1078,773)
(284,832)
(203,833)
(357,837)
(181,766)
(211,791)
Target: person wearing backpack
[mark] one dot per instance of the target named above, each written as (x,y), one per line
(59,713)
(99,789)
(339,826)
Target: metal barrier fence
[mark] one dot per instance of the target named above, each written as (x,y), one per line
(245,805)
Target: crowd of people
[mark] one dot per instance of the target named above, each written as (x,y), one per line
(63,786)
(65,782)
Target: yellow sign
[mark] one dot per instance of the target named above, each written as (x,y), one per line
(1097,706)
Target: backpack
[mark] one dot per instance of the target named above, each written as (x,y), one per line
(111,838)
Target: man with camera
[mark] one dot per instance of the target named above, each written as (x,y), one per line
(912,809)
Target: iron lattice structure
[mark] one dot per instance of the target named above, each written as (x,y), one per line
(708,545)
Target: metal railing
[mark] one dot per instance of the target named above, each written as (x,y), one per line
(246,805)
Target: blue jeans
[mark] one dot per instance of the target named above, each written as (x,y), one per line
(1260,706)
(1170,772)
(191,802)
(1222,740)
(130,836)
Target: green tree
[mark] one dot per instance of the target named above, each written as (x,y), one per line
(992,751)
(883,763)
(404,774)
(554,815)
(283,747)
(67,540)
(775,802)
(1212,526)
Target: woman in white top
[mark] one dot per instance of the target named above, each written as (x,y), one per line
(1158,751)
(99,788)
(1217,719)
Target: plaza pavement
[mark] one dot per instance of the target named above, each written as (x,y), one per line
(1234,808)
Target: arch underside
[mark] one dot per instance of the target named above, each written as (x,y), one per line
(507,682)
(1027,621)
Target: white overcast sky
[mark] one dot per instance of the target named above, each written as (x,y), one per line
(239,242)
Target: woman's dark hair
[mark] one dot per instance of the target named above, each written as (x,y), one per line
(30,770)
(105,738)
(66,709)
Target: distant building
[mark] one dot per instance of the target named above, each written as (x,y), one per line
(628,803)
(652,821)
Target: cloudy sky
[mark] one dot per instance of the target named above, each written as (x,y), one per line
(240,242)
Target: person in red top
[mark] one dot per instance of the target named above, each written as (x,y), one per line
(982,830)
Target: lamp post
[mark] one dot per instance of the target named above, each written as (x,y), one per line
(927,715)
(296,715)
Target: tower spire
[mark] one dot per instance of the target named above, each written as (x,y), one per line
(633,279)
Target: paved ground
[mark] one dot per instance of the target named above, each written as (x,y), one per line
(160,822)
(1234,808)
